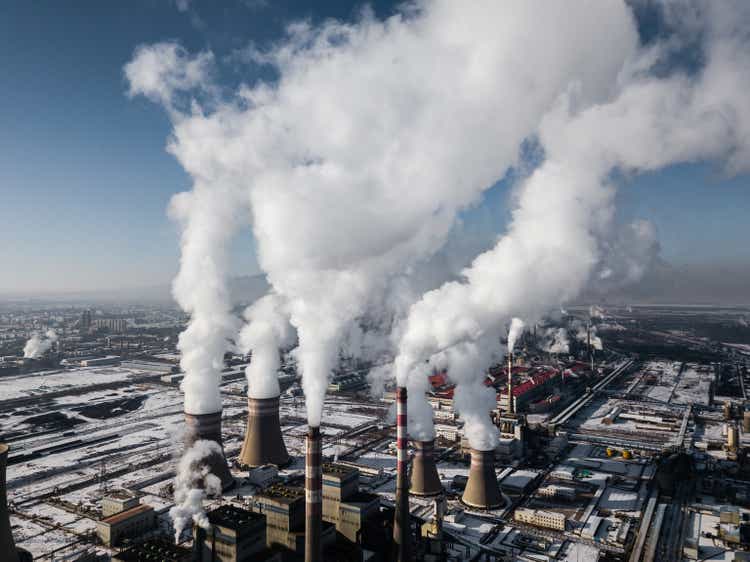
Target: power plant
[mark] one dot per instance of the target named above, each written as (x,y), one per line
(208,427)
(401,515)
(263,441)
(424,476)
(313,496)
(482,490)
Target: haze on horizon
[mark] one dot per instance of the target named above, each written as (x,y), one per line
(86,179)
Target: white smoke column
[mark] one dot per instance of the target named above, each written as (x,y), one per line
(37,345)
(267,330)
(565,208)
(556,340)
(583,334)
(356,161)
(514,332)
(188,493)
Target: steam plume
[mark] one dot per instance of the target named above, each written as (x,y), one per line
(340,207)
(38,345)
(565,208)
(267,330)
(188,493)
(514,332)
(556,340)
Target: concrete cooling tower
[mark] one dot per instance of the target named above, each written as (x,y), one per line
(263,441)
(482,490)
(424,476)
(208,427)
(8,550)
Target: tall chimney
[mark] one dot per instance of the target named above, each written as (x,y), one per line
(313,496)
(510,383)
(401,515)
(424,476)
(482,490)
(208,427)
(263,441)
(7,546)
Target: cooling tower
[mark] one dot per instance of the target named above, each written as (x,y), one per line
(208,427)
(482,490)
(401,515)
(263,441)
(424,476)
(313,496)
(7,546)
(732,437)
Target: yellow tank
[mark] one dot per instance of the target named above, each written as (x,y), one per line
(627,454)
(610,452)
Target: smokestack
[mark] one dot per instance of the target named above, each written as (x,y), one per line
(7,546)
(424,476)
(313,496)
(510,383)
(263,441)
(401,515)
(482,490)
(208,427)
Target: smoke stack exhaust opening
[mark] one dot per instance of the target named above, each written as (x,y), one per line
(401,515)
(313,496)
(7,546)
(424,475)
(207,427)
(482,491)
(264,443)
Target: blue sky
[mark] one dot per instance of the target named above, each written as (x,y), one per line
(85,178)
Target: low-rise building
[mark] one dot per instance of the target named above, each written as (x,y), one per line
(154,549)
(540,518)
(118,501)
(130,523)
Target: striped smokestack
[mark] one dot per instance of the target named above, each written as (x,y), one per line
(264,443)
(313,496)
(401,516)
(510,383)
(7,546)
(207,427)
(424,476)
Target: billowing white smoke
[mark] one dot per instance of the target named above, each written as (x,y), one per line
(514,332)
(565,208)
(266,332)
(192,470)
(356,161)
(556,340)
(586,333)
(38,345)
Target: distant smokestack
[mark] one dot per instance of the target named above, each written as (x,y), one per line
(510,383)
(401,515)
(313,496)
(263,441)
(482,490)
(208,427)
(424,476)
(7,546)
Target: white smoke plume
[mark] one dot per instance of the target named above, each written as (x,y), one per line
(584,333)
(565,208)
(192,471)
(267,332)
(556,340)
(356,161)
(515,330)
(38,345)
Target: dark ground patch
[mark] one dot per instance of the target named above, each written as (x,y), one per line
(53,420)
(111,408)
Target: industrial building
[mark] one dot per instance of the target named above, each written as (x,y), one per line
(154,550)
(539,518)
(344,504)
(234,535)
(132,522)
